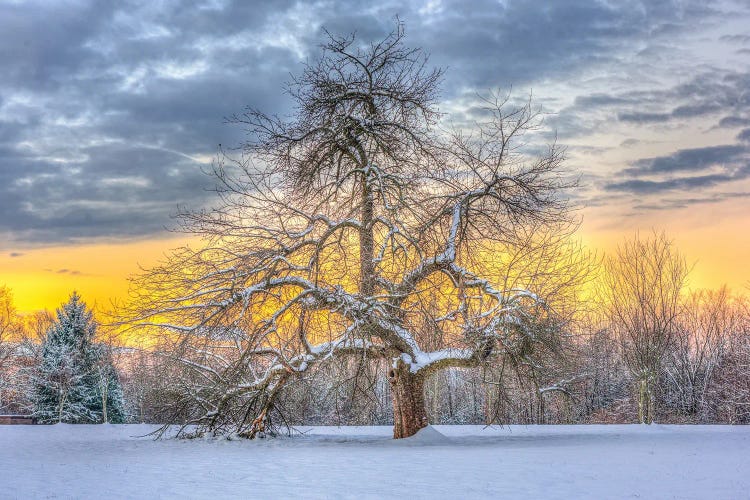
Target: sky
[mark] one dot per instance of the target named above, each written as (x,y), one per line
(110,112)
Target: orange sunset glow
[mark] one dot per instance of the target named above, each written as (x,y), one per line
(43,278)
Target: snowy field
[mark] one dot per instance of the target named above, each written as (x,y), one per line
(617,461)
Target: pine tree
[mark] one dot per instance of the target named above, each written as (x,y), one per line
(75,381)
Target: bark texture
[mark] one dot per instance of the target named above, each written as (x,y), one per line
(407,391)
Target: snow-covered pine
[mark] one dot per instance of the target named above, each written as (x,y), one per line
(67,384)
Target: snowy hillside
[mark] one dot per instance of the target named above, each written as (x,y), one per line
(618,461)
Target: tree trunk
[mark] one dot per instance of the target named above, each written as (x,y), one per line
(645,401)
(63,397)
(367,242)
(407,391)
(104,384)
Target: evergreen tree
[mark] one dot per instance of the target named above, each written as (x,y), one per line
(75,381)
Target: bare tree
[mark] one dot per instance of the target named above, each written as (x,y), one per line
(707,321)
(641,287)
(8,323)
(729,385)
(358,229)
(9,341)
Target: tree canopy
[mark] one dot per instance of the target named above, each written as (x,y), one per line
(361,227)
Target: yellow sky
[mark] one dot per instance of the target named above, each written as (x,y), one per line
(713,238)
(43,278)
(717,243)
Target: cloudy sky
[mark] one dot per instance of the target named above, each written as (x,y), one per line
(108,111)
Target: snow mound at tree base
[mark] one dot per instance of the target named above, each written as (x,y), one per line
(428,435)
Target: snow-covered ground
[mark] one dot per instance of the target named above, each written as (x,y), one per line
(617,461)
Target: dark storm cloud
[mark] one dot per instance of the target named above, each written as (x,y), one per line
(640,186)
(488,44)
(688,160)
(108,114)
(714,165)
(670,204)
(694,110)
(734,121)
(644,117)
(744,136)
(735,38)
(108,110)
(102,193)
(708,94)
(596,100)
